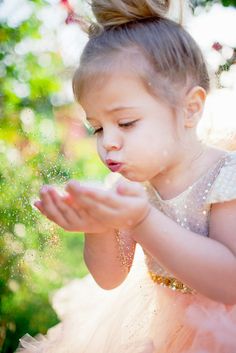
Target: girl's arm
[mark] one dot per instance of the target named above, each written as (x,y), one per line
(108,255)
(207,265)
(108,264)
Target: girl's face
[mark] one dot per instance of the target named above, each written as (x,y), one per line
(136,132)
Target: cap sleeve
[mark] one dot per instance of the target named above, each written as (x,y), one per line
(224,187)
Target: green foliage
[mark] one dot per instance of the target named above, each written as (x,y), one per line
(229,2)
(205,2)
(36,257)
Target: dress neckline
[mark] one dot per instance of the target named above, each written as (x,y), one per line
(215,165)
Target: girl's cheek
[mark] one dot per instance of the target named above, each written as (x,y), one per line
(101,152)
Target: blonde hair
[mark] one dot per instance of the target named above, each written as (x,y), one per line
(135,35)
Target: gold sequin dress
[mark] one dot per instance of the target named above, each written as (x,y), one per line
(149,314)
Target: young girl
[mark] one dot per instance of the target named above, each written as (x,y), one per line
(142,82)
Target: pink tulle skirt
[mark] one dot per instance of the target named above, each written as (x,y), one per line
(137,317)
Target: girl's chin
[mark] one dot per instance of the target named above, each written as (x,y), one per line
(130,176)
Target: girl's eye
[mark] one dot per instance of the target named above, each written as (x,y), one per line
(127,124)
(95,131)
(130,123)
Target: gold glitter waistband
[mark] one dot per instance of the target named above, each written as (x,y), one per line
(170,282)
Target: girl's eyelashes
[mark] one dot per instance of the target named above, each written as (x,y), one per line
(95,131)
(124,125)
(130,123)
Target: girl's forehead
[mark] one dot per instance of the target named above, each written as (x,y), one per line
(123,97)
(114,88)
(115,97)
(101,80)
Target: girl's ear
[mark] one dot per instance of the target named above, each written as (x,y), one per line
(193,107)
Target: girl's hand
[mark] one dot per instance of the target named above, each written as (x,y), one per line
(125,206)
(63,211)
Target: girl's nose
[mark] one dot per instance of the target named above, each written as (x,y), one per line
(111,142)
(111,146)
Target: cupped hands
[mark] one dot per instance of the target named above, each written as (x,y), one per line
(95,210)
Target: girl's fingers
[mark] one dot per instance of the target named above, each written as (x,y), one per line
(97,210)
(39,206)
(106,197)
(72,186)
(68,199)
(55,209)
(101,196)
(73,196)
(129,189)
(106,205)
(37,203)
(66,210)
(97,207)
(102,205)
(49,210)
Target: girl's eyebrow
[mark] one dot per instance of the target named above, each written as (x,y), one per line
(114,110)
(119,108)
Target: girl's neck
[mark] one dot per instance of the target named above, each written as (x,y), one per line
(189,165)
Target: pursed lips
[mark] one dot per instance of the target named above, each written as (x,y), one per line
(114,166)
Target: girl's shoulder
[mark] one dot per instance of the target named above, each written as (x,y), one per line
(224,186)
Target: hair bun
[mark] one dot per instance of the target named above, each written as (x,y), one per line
(117,12)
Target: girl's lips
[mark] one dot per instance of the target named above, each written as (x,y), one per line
(114,167)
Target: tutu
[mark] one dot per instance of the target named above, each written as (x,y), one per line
(137,317)
(141,316)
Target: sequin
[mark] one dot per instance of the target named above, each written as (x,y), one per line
(171,283)
(125,252)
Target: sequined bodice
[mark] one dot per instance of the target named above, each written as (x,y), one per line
(191,208)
